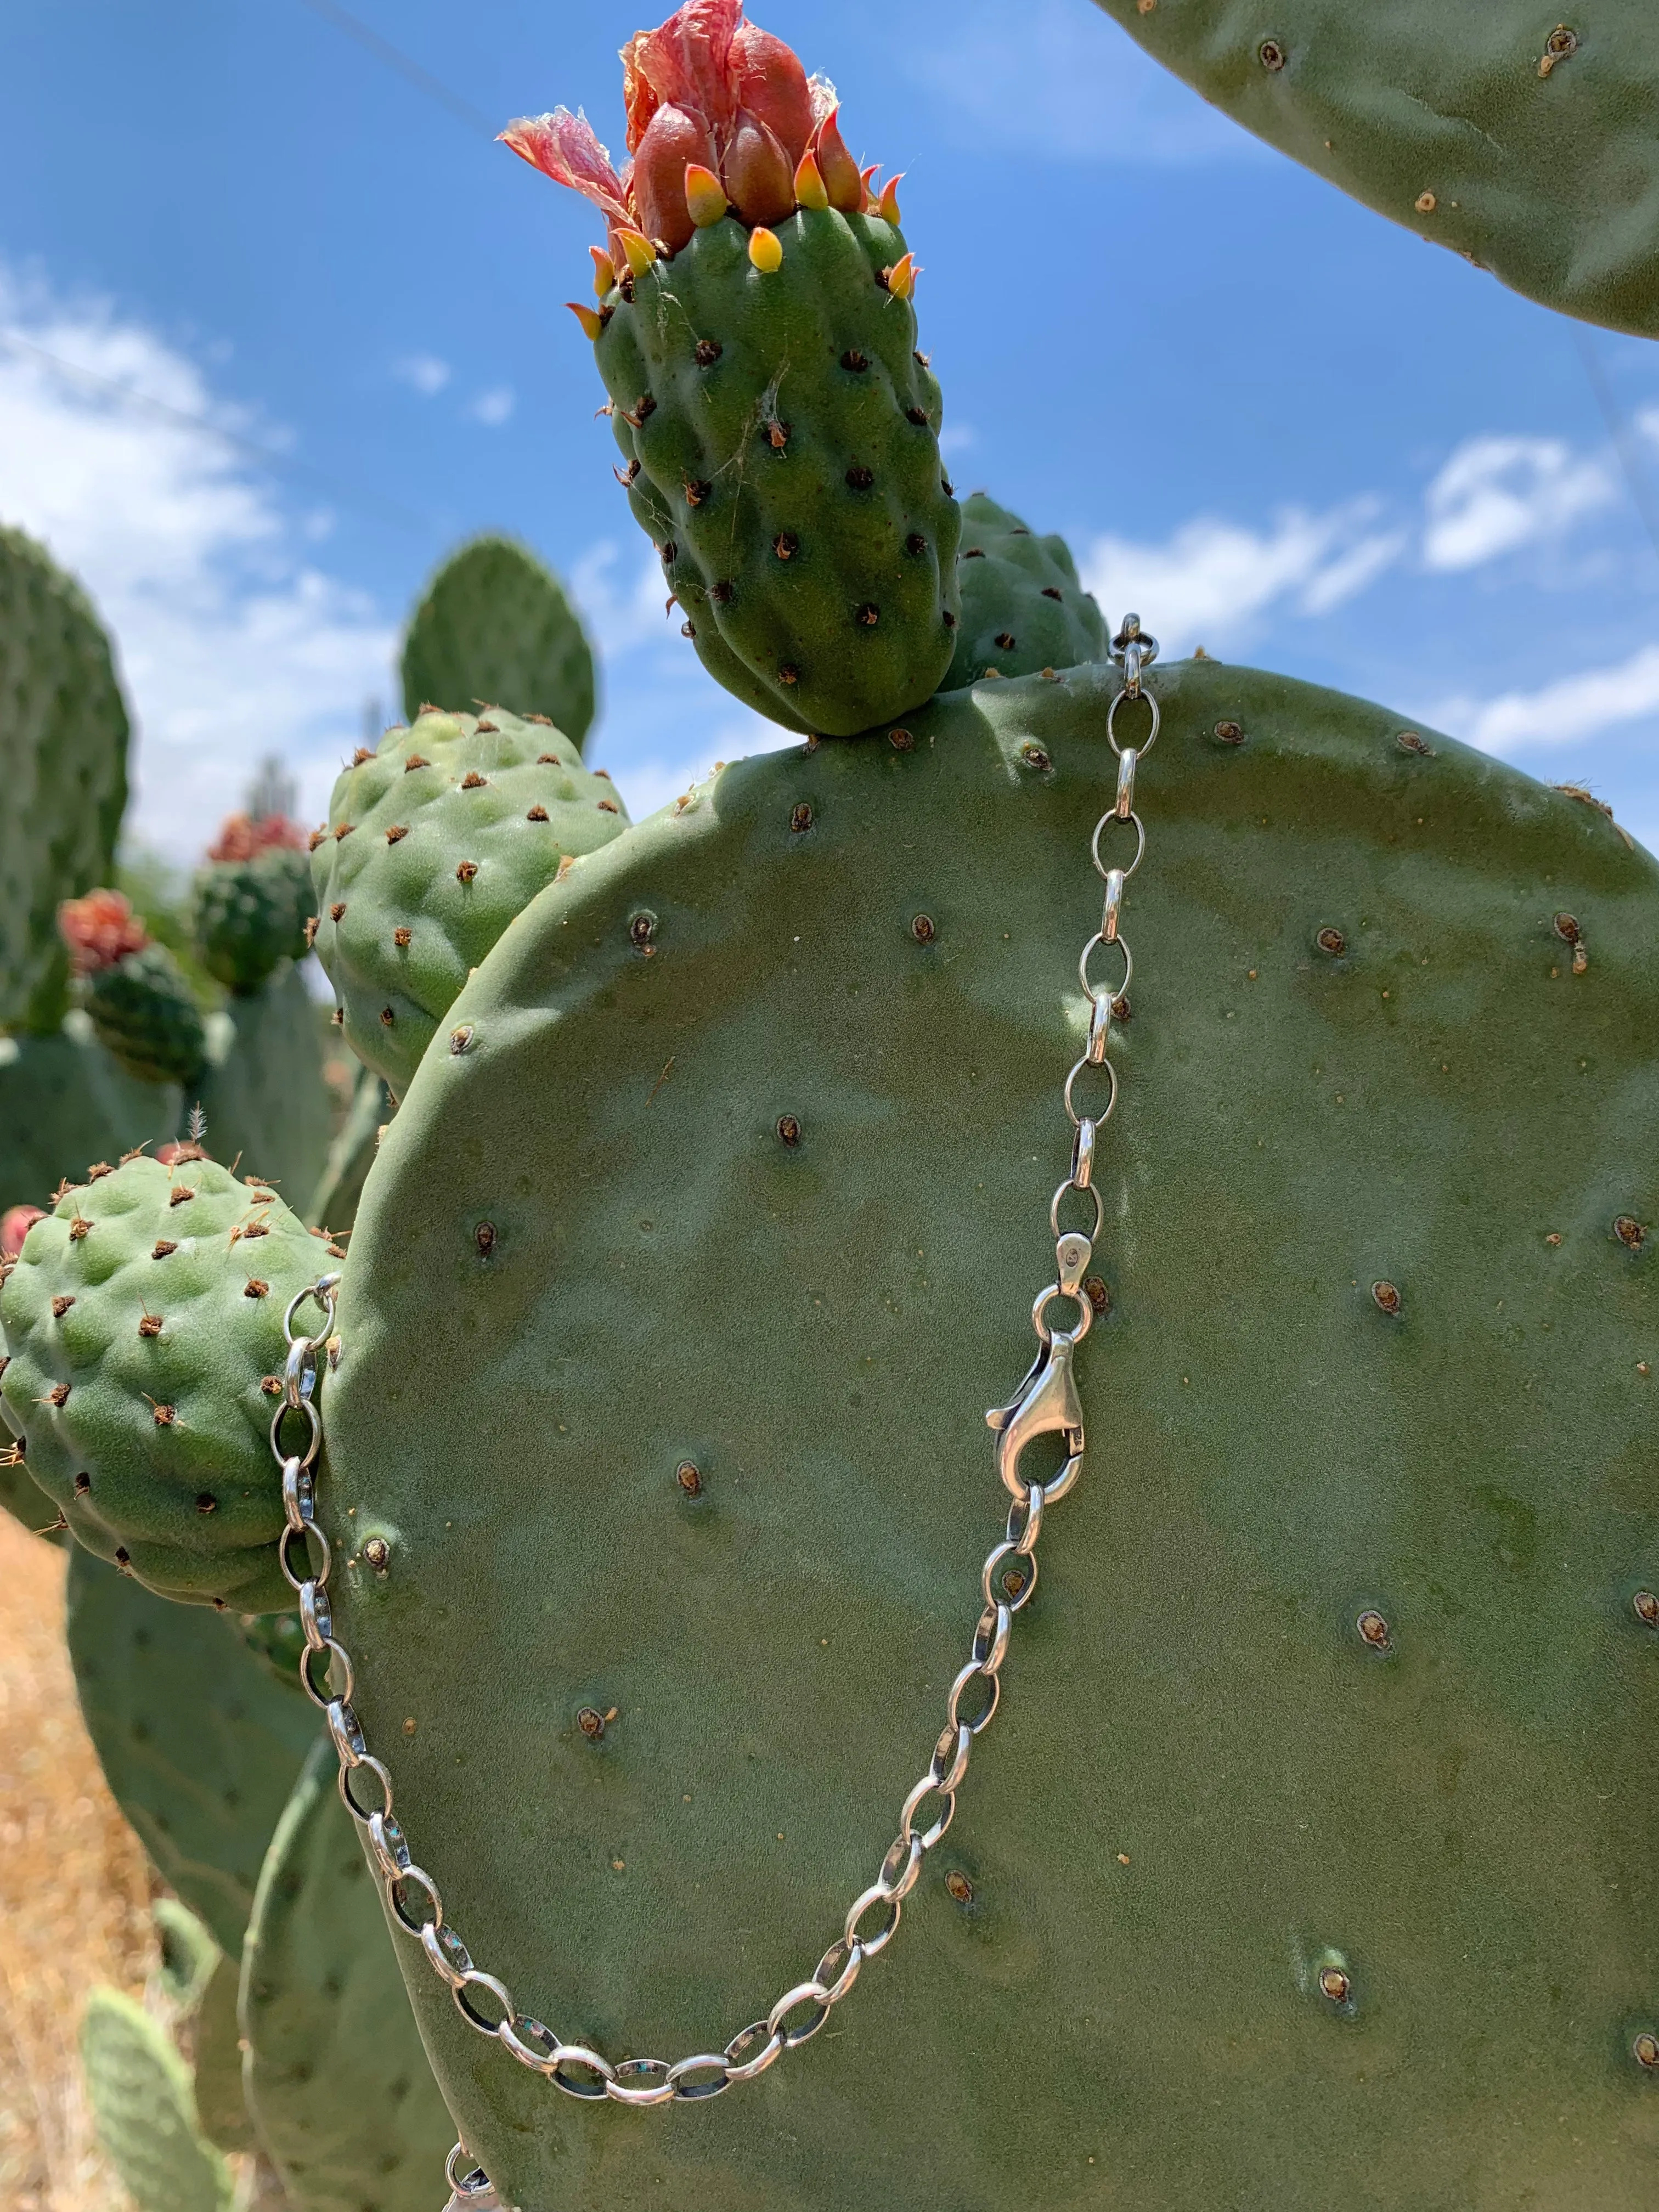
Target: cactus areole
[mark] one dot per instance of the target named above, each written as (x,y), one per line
(755,331)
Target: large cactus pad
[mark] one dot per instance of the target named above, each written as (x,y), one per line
(495,628)
(747,1170)
(334,2075)
(63,768)
(1526,145)
(199,1744)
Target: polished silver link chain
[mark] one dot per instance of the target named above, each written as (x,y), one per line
(1047,1404)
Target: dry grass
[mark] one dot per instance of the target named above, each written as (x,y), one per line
(74,1896)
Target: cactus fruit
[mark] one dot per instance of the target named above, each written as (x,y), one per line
(1525,148)
(63,769)
(757,335)
(1252,1872)
(335,2077)
(140,1003)
(495,624)
(144,2111)
(1022,608)
(435,841)
(64,1101)
(199,1743)
(142,1318)
(252,901)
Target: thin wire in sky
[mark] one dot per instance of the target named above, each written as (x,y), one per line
(404,65)
(384,510)
(1619,430)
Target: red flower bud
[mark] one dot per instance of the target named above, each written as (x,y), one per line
(674,141)
(771,86)
(100,931)
(840,172)
(759,176)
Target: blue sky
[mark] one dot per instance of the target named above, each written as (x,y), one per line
(278,325)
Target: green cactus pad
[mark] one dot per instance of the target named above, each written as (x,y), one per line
(144,2111)
(142,1319)
(494,628)
(63,768)
(22,1497)
(771,1202)
(248,916)
(336,2077)
(1022,608)
(262,1089)
(780,436)
(1524,144)
(188,1954)
(216,2049)
(65,1102)
(143,1013)
(445,832)
(199,1745)
(334,1201)
(277,1641)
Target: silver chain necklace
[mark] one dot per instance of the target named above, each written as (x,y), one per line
(1046,1404)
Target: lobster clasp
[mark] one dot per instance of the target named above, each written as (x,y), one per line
(1047,1405)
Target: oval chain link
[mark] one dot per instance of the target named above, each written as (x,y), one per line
(1047,1405)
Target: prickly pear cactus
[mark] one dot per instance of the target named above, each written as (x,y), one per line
(251,901)
(334,2075)
(778,429)
(494,628)
(1522,146)
(136,994)
(262,1090)
(1348,1627)
(64,1101)
(63,768)
(144,1318)
(188,1954)
(435,841)
(199,1744)
(144,2111)
(334,1201)
(1023,607)
(216,2051)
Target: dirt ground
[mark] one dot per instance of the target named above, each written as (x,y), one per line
(74,1897)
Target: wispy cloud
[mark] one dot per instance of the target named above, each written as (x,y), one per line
(1213,580)
(424,372)
(494,407)
(234,645)
(1059,81)
(1496,495)
(1566,712)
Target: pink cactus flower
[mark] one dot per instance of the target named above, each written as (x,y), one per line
(100,930)
(15,1225)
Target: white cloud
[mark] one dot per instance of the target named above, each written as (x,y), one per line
(1212,581)
(494,407)
(1565,713)
(1496,494)
(1056,81)
(424,372)
(958,438)
(233,644)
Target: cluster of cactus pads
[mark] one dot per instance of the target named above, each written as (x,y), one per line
(714,1191)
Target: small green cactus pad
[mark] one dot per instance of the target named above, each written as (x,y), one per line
(63,769)
(249,916)
(199,1745)
(494,628)
(143,1013)
(144,1318)
(435,842)
(334,2075)
(334,1201)
(1023,607)
(65,1102)
(277,1641)
(770,1204)
(144,2111)
(188,1954)
(262,1090)
(1525,146)
(780,436)
(216,2049)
